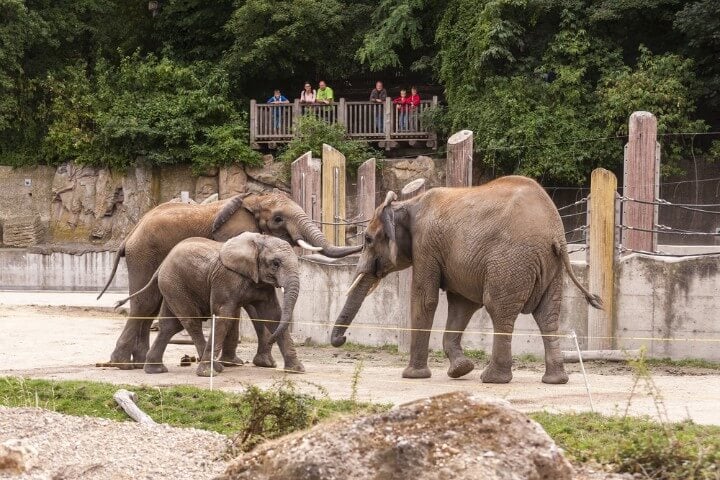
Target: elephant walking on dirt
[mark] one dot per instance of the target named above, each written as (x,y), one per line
(166,225)
(202,277)
(500,245)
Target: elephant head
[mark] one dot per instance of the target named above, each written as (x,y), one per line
(278,215)
(268,260)
(387,249)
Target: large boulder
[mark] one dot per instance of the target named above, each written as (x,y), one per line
(271,175)
(396,173)
(451,436)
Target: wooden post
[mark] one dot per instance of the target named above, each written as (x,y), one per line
(603,186)
(305,185)
(389,124)
(642,170)
(459,159)
(412,189)
(253,123)
(432,136)
(296,114)
(366,192)
(333,195)
(342,113)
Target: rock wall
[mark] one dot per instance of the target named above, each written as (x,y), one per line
(79,208)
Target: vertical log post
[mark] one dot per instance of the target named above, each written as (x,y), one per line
(459,159)
(333,195)
(389,124)
(603,187)
(413,189)
(642,168)
(305,185)
(253,124)
(366,193)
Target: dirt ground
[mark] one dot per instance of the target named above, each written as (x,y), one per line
(65,343)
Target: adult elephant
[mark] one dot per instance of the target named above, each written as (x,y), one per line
(201,277)
(163,227)
(500,245)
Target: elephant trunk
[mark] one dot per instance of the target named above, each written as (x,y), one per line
(312,234)
(292,288)
(355,298)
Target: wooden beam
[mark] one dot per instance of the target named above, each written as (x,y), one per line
(366,190)
(459,159)
(642,169)
(572,356)
(127,401)
(333,195)
(305,185)
(603,185)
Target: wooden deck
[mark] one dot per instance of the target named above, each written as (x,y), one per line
(273,124)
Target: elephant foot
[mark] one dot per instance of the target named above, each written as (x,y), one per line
(294,367)
(120,360)
(264,360)
(203,369)
(412,372)
(461,367)
(231,362)
(557,377)
(155,368)
(493,374)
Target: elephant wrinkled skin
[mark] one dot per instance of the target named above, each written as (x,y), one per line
(166,225)
(500,245)
(202,277)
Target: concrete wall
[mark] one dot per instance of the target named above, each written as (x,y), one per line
(655,299)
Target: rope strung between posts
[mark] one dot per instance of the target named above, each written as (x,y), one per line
(579,202)
(684,206)
(369,326)
(623,249)
(581,228)
(584,212)
(667,230)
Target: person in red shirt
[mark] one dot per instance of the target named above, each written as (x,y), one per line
(402,105)
(414,100)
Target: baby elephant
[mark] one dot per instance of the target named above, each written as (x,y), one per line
(201,277)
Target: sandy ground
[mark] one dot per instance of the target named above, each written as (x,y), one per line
(65,343)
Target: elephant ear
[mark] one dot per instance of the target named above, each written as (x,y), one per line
(240,254)
(228,210)
(387,218)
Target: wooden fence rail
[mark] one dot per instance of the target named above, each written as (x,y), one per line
(384,123)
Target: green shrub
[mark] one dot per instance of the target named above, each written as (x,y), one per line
(310,135)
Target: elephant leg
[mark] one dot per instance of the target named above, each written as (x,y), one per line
(423,302)
(134,341)
(168,327)
(270,310)
(547,316)
(499,370)
(222,326)
(263,357)
(460,310)
(229,356)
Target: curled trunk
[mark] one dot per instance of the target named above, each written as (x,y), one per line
(312,234)
(351,307)
(292,288)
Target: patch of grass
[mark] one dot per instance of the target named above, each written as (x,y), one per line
(358,348)
(684,363)
(671,451)
(182,406)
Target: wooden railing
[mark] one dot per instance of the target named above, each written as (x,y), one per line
(273,124)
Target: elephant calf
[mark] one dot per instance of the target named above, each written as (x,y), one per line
(201,277)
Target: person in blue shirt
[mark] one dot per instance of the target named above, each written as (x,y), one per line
(277,99)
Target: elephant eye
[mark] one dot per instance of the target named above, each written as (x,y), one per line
(278,219)
(368,239)
(276,263)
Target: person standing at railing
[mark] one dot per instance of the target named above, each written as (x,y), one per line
(403,108)
(414,109)
(308,94)
(377,98)
(324,94)
(277,100)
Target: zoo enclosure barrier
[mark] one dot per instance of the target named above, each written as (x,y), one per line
(273,124)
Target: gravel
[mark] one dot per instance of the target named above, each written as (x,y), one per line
(71,447)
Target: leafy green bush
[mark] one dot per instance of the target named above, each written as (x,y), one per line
(310,135)
(146,108)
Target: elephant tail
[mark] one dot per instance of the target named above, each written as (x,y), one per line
(153,281)
(118,254)
(560,250)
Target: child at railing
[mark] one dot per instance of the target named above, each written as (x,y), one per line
(403,108)
(277,99)
(414,109)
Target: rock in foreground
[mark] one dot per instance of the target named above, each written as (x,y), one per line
(452,436)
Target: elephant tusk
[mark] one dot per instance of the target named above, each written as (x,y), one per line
(307,246)
(354,284)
